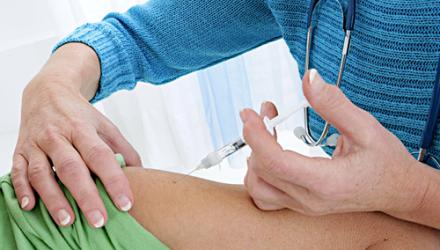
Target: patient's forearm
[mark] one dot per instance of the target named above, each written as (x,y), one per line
(192,213)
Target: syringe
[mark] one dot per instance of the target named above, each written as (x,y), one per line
(216,157)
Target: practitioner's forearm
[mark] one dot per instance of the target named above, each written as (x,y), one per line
(73,67)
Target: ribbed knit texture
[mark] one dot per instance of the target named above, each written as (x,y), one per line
(390,69)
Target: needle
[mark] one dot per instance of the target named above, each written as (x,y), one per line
(216,157)
(188,174)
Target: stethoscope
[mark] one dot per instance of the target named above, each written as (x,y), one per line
(323,140)
(304,133)
(428,133)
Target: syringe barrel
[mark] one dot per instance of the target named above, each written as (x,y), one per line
(239,144)
(217,156)
(231,148)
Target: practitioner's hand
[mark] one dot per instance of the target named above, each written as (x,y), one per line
(266,194)
(60,128)
(371,170)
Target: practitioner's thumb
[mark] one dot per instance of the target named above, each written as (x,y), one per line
(262,143)
(333,106)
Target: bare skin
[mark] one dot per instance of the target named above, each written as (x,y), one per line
(371,169)
(192,213)
(60,127)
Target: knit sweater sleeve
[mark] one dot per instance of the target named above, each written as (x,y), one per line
(162,40)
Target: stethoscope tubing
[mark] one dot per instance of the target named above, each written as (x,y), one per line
(349,17)
(349,20)
(348,27)
(431,124)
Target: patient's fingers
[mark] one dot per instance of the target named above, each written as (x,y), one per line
(101,160)
(116,141)
(72,171)
(42,179)
(20,181)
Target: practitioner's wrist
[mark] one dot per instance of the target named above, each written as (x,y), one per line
(419,196)
(73,67)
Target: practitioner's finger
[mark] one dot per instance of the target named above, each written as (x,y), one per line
(101,160)
(71,170)
(41,177)
(117,142)
(265,196)
(262,143)
(331,103)
(269,110)
(275,161)
(20,181)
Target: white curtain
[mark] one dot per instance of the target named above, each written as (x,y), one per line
(172,126)
(175,125)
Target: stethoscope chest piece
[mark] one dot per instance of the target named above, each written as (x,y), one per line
(331,140)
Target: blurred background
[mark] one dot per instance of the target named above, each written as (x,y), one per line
(172,126)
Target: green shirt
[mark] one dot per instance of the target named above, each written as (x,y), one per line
(35,229)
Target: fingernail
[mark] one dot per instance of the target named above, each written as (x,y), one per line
(24,202)
(63,217)
(96,218)
(124,203)
(312,75)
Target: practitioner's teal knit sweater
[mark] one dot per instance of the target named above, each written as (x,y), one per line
(390,69)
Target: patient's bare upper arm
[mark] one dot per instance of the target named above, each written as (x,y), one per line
(193,213)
